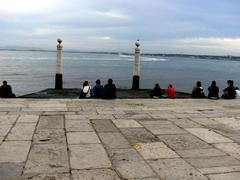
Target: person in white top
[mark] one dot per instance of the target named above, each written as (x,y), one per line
(86,90)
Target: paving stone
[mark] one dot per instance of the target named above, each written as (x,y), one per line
(137,135)
(104,126)
(88,156)
(56,113)
(120,123)
(204,121)
(75,109)
(42,104)
(82,138)
(10,109)
(76,117)
(227,176)
(28,119)
(95,174)
(75,126)
(194,153)
(10,171)
(175,169)
(51,122)
(113,140)
(145,179)
(230,122)
(208,135)
(47,158)
(129,164)
(49,136)
(1,139)
(204,162)
(109,111)
(99,117)
(41,109)
(219,170)
(184,142)
(163,127)
(185,123)
(5,128)
(14,151)
(46,177)
(232,149)
(163,116)
(129,154)
(223,129)
(155,150)
(22,132)
(8,119)
(133,116)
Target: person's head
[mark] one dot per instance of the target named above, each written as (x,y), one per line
(214,83)
(157,85)
(170,86)
(199,84)
(85,83)
(98,82)
(110,81)
(4,82)
(230,82)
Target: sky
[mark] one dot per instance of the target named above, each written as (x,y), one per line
(209,27)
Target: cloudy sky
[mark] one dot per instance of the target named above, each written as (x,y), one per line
(163,26)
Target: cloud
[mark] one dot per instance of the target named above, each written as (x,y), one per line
(104,38)
(26,6)
(176,26)
(212,41)
(110,14)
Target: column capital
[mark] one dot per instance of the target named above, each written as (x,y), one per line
(59,46)
(137,43)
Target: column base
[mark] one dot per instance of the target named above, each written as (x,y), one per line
(58,81)
(135,82)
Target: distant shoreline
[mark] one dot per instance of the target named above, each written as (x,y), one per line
(214,57)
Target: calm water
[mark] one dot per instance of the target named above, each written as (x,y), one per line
(29,72)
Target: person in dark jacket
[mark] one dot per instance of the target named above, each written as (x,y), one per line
(98,89)
(110,90)
(230,91)
(6,91)
(156,92)
(213,91)
(197,91)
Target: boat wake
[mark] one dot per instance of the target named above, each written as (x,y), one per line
(143,58)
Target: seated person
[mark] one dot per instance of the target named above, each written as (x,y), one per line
(230,91)
(110,90)
(156,92)
(86,90)
(213,91)
(171,92)
(197,91)
(6,91)
(98,90)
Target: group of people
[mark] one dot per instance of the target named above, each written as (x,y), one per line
(109,91)
(98,91)
(157,92)
(230,92)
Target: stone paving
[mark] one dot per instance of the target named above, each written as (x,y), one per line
(131,139)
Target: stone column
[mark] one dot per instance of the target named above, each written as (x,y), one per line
(136,68)
(58,79)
